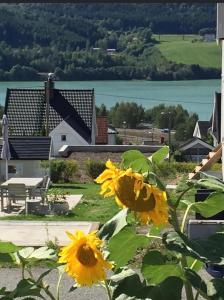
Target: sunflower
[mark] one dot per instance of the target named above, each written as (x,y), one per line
(84,259)
(147,201)
(108,178)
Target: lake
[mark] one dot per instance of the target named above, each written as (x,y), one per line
(194,95)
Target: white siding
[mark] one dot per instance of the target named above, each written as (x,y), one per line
(72,137)
(197,132)
(24,168)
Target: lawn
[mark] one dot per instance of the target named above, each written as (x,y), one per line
(175,48)
(92,208)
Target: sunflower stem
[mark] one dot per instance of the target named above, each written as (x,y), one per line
(185,217)
(187,284)
(108,290)
(58,287)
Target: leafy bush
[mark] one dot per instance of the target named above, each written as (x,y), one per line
(167,169)
(94,168)
(62,170)
(119,140)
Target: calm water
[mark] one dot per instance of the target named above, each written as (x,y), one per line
(194,95)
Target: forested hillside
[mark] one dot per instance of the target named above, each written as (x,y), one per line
(72,40)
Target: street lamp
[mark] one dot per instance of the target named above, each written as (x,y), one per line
(168,113)
(125,126)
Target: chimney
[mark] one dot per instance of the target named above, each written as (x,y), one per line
(49,94)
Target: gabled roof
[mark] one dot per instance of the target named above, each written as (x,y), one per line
(194,141)
(26,111)
(203,127)
(29,148)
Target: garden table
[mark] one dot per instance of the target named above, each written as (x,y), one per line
(31,183)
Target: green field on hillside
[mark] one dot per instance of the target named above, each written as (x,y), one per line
(188,49)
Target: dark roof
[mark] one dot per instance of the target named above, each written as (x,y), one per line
(29,148)
(194,139)
(203,127)
(26,111)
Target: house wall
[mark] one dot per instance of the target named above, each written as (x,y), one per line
(195,158)
(24,168)
(72,138)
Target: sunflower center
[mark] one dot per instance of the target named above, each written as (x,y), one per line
(86,256)
(125,193)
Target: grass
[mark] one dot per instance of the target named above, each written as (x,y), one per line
(92,208)
(175,48)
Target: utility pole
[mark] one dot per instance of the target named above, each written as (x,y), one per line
(169,128)
(220,40)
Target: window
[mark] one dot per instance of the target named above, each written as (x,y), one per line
(12,169)
(63,137)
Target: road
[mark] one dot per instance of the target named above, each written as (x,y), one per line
(10,276)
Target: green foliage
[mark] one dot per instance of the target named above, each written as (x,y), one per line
(27,50)
(156,267)
(213,205)
(166,169)
(197,249)
(114,225)
(131,287)
(159,156)
(137,161)
(119,140)
(126,239)
(94,168)
(165,270)
(214,288)
(102,110)
(56,195)
(129,112)
(7,247)
(62,170)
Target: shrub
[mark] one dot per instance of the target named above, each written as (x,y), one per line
(119,140)
(62,170)
(166,169)
(94,168)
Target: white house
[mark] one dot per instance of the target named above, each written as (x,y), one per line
(67,116)
(27,156)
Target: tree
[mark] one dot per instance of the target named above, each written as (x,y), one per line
(102,110)
(129,112)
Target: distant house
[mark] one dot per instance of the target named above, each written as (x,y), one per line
(67,116)
(195,150)
(111,51)
(201,129)
(209,37)
(26,156)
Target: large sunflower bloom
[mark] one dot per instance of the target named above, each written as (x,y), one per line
(108,178)
(83,258)
(147,201)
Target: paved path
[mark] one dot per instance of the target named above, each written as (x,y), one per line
(73,200)
(37,233)
(10,276)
